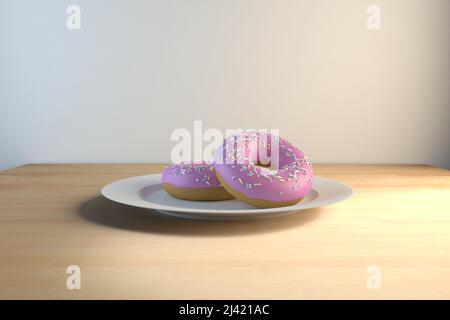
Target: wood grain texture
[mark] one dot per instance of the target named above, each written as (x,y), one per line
(52,216)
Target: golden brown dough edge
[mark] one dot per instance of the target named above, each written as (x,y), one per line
(197,194)
(259,203)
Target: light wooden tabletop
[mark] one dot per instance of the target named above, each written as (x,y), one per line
(397,223)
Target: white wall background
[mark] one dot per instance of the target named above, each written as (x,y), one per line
(116,89)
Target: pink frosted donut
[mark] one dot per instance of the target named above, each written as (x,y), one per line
(193,181)
(237,165)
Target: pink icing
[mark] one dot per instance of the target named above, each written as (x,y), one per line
(191,175)
(236,165)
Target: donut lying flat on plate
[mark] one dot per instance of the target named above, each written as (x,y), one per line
(193,181)
(236,165)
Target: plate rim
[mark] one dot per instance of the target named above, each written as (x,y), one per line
(154,179)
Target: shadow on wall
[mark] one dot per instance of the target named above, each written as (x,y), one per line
(10,165)
(105,212)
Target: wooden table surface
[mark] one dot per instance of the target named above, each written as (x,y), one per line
(52,216)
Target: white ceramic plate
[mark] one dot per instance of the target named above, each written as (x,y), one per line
(147,192)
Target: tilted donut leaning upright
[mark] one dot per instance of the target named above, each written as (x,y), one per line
(241,170)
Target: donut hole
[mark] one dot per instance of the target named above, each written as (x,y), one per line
(269,166)
(262,165)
